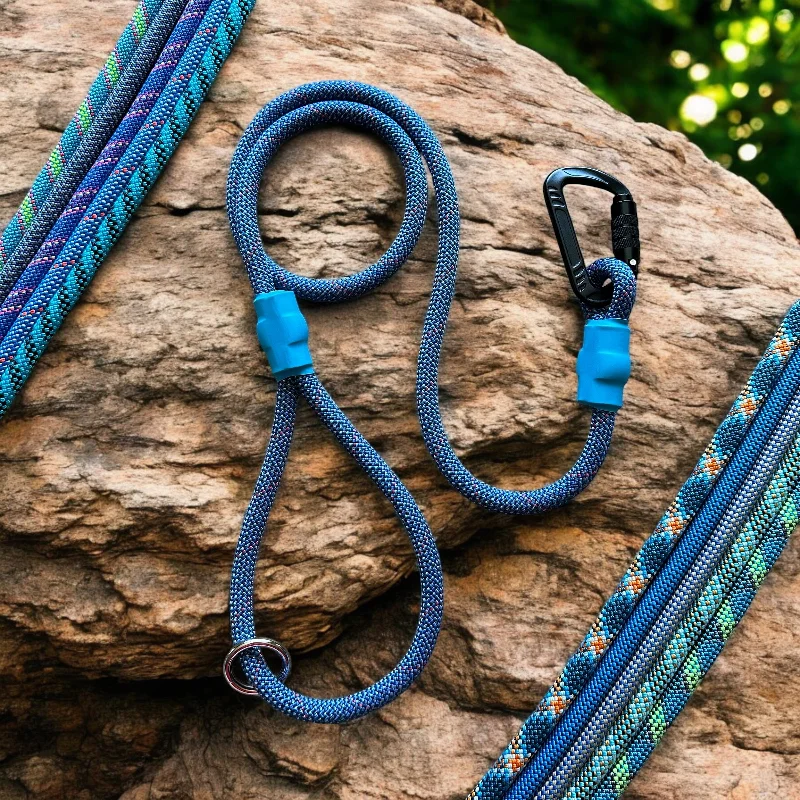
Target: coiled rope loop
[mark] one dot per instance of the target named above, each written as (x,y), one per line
(287,116)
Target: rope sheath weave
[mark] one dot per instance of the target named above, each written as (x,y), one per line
(113,70)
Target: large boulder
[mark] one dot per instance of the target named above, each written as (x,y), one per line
(128,459)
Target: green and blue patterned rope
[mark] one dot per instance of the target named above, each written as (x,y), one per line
(703,654)
(125,96)
(669,597)
(50,316)
(651,557)
(100,91)
(69,232)
(744,554)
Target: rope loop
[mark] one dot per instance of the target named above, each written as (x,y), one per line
(601,426)
(287,116)
(623,289)
(297,111)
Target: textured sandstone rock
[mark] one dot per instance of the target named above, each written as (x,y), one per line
(127,462)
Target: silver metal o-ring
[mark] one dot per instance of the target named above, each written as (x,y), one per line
(262,644)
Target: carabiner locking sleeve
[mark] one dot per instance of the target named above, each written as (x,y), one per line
(624,228)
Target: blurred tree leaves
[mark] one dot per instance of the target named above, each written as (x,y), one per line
(726,72)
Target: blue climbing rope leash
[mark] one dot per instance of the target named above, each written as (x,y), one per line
(282,332)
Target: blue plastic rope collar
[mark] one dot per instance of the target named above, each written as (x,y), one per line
(604,363)
(283,334)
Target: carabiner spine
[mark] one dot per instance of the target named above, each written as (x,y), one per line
(570,249)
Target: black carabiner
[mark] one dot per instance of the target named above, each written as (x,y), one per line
(624,228)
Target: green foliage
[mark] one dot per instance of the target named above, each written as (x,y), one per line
(726,72)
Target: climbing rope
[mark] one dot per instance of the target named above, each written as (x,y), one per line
(96,108)
(703,654)
(413,141)
(54,280)
(653,555)
(669,598)
(97,191)
(744,560)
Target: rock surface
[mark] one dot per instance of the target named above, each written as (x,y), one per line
(127,461)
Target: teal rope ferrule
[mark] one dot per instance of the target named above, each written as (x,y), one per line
(283,334)
(604,363)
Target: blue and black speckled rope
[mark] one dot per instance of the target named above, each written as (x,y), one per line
(363,106)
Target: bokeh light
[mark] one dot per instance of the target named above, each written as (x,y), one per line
(699,109)
(757,31)
(735,52)
(740,89)
(680,59)
(699,72)
(784,20)
(747,152)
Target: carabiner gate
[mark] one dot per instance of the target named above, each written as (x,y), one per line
(624,228)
